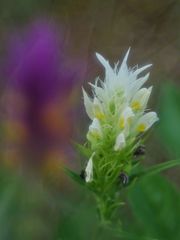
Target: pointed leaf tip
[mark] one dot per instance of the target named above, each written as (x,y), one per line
(101,59)
(127,53)
(88,104)
(139,70)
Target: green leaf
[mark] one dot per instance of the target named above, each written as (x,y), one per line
(86,152)
(155,203)
(78,223)
(73,175)
(156,169)
(169,127)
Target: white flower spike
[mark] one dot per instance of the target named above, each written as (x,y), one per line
(119,102)
(118,113)
(119,119)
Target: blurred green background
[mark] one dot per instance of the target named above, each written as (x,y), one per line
(36,200)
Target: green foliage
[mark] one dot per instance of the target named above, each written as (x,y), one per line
(155,203)
(107,188)
(25,208)
(169,127)
(83,149)
(157,168)
(78,222)
(73,175)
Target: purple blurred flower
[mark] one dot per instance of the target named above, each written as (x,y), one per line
(38,66)
(40,72)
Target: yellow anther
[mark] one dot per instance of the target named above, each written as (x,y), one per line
(135,105)
(99,115)
(122,122)
(141,127)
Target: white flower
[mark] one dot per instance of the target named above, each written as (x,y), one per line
(122,77)
(146,121)
(93,108)
(125,117)
(140,99)
(95,129)
(89,170)
(118,104)
(98,109)
(120,142)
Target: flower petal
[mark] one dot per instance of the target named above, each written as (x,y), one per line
(126,115)
(120,142)
(89,169)
(98,109)
(109,71)
(140,70)
(88,104)
(140,99)
(95,128)
(146,121)
(124,66)
(137,84)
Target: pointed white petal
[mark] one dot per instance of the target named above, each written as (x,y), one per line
(109,71)
(124,62)
(125,118)
(95,128)
(104,62)
(146,121)
(123,70)
(99,91)
(89,169)
(142,80)
(120,142)
(88,104)
(139,70)
(137,84)
(141,98)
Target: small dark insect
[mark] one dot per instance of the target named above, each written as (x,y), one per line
(83,174)
(124,179)
(140,151)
